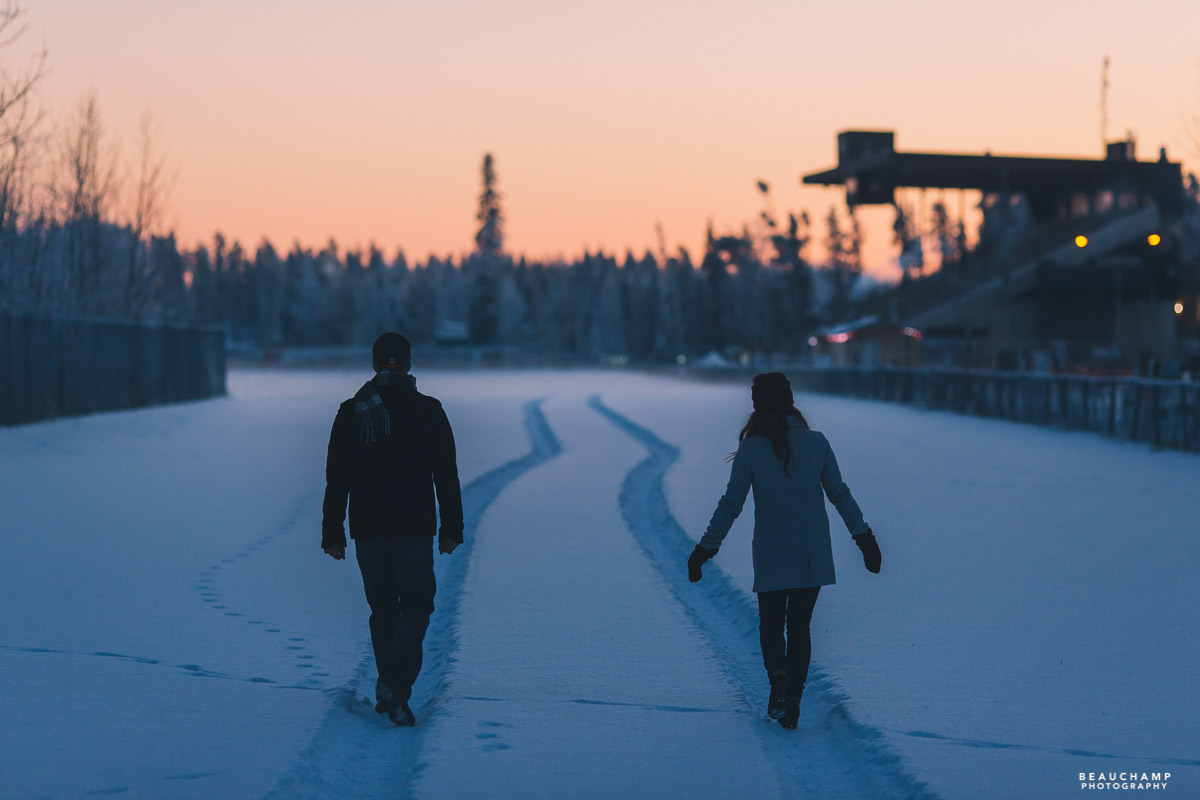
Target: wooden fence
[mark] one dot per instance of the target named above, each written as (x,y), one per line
(1162,413)
(63,367)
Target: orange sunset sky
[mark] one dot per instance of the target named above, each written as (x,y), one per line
(366,120)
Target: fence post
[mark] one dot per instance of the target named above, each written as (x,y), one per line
(1185,415)
(7,384)
(1112,408)
(1087,404)
(1153,414)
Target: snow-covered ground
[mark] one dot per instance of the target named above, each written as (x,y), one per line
(171,629)
(1038,613)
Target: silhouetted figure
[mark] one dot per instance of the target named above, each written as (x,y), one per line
(390,447)
(788,464)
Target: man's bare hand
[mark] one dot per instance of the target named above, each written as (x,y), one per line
(447,546)
(337,552)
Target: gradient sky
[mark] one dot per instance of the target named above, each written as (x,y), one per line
(366,120)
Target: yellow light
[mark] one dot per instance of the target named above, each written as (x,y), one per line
(1081,241)
(1179,308)
(1154,239)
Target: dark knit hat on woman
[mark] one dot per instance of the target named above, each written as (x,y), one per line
(391,351)
(771,391)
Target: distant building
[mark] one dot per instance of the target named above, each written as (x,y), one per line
(1092,276)
(866,342)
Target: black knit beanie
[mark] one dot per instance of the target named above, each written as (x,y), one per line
(771,391)
(391,351)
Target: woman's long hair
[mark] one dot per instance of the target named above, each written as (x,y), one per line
(774,426)
(773,406)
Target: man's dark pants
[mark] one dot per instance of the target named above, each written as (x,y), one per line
(398,579)
(791,609)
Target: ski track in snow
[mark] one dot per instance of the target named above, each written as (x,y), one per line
(836,756)
(358,753)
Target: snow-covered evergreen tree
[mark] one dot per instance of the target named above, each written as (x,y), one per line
(489,239)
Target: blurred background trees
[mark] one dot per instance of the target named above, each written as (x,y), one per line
(84,233)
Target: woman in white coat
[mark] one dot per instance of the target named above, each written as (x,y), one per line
(788,465)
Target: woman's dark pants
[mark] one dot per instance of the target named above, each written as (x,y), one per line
(398,579)
(789,609)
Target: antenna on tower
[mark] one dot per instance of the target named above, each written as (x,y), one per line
(1104,104)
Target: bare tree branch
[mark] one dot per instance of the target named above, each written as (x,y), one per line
(149,204)
(18,120)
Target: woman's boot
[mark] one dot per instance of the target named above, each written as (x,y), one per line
(778,697)
(791,713)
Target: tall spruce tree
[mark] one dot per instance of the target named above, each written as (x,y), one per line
(489,239)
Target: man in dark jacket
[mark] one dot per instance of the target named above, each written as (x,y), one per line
(390,448)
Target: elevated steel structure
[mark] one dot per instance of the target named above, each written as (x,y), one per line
(871,169)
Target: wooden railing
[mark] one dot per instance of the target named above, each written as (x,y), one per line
(1160,412)
(62,367)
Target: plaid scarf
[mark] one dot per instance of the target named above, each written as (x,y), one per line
(372,413)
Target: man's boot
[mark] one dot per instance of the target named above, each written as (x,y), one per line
(402,715)
(791,713)
(387,701)
(778,697)
(385,698)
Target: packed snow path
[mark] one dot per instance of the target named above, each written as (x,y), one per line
(578,672)
(172,630)
(357,753)
(829,755)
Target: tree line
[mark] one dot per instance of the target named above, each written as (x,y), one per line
(82,234)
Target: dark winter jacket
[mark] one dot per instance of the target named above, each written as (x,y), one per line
(390,482)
